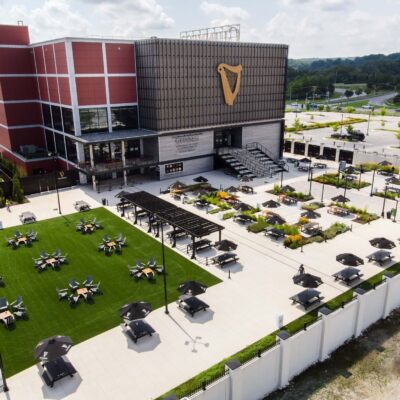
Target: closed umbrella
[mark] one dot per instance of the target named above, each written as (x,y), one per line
(385,163)
(380,256)
(349,259)
(275,220)
(271,204)
(231,189)
(192,287)
(340,199)
(310,214)
(243,207)
(200,179)
(382,243)
(135,310)
(52,348)
(225,245)
(307,280)
(287,189)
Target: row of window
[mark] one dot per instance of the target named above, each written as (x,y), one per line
(59,118)
(63,145)
(174,167)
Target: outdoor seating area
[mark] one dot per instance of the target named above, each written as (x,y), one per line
(192,304)
(339,211)
(246,189)
(348,275)
(9,312)
(380,256)
(27,217)
(307,298)
(138,328)
(224,259)
(288,200)
(53,260)
(243,218)
(88,226)
(81,205)
(110,245)
(146,271)
(311,229)
(76,290)
(20,239)
(274,233)
(202,244)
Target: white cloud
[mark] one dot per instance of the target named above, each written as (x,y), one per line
(224,15)
(324,5)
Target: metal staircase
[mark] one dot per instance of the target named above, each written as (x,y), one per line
(253,161)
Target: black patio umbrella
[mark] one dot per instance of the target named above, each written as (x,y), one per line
(192,287)
(245,178)
(225,245)
(271,204)
(340,199)
(350,170)
(305,160)
(380,255)
(310,214)
(393,180)
(385,163)
(200,179)
(382,243)
(135,310)
(52,348)
(349,259)
(121,194)
(307,280)
(287,189)
(231,189)
(275,220)
(242,207)
(177,185)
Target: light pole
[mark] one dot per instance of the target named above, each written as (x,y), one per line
(54,157)
(345,185)
(5,387)
(281,178)
(311,178)
(384,202)
(322,194)
(164,269)
(372,184)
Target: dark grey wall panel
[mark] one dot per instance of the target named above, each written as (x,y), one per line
(179,86)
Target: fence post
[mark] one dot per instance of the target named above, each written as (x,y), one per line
(360,311)
(284,364)
(235,374)
(324,313)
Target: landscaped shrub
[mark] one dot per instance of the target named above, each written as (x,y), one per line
(303,221)
(214,211)
(258,226)
(335,229)
(293,241)
(332,180)
(363,216)
(389,195)
(317,125)
(375,166)
(288,229)
(228,215)
(313,206)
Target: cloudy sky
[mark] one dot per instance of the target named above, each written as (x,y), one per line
(312,28)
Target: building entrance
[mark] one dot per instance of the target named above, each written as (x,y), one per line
(228,138)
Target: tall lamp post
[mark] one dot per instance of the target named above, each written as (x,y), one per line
(281,178)
(322,193)
(164,270)
(54,157)
(345,185)
(311,178)
(384,202)
(372,184)
(3,375)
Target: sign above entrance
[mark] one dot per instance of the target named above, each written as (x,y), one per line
(230,95)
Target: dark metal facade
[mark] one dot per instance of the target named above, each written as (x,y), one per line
(179,87)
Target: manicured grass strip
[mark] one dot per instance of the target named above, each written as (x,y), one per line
(47,315)
(268,341)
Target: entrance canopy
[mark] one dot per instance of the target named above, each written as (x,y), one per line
(191,223)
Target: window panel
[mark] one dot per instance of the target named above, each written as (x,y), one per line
(71,149)
(50,141)
(124,118)
(47,115)
(60,145)
(68,120)
(56,114)
(93,120)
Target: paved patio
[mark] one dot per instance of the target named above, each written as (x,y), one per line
(243,308)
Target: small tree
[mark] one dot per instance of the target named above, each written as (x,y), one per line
(328,108)
(383,111)
(348,93)
(358,91)
(335,127)
(350,109)
(297,125)
(17,192)
(350,129)
(321,107)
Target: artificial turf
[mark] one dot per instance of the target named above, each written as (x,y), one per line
(47,315)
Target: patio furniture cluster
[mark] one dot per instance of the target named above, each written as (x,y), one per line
(51,354)
(336,210)
(147,271)
(307,298)
(274,233)
(53,260)
(81,205)
(11,311)
(288,200)
(88,226)
(224,259)
(246,189)
(27,217)
(112,245)
(22,239)
(75,291)
(348,275)
(200,245)
(188,301)
(243,218)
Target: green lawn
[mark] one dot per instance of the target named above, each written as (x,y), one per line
(47,315)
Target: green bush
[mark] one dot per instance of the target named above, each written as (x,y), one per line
(258,226)
(317,125)
(362,215)
(375,166)
(313,206)
(214,211)
(17,192)
(388,195)
(332,180)
(228,215)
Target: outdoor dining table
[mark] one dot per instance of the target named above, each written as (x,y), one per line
(57,369)
(148,272)
(22,240)
(111,244)
(52,261)
(4,315)
(82,292)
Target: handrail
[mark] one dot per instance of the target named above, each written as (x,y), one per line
(267,152)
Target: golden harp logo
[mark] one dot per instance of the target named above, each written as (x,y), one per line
(230,95)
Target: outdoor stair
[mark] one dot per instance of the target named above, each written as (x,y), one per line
(265,157)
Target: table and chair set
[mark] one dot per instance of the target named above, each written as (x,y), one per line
(20,239)
(9,312)
(88,226)
(76,290)
(53,260)
(110,245)
(145,270)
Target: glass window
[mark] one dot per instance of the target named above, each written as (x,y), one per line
(93,120)
(50,141)
(101,152)
(124,118)
(56,114)
(46,115)
(68,120)
(132,148)
(60,145)
(71,150)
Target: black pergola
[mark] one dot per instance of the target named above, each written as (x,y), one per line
(178,218)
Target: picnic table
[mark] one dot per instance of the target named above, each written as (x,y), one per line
(177,233)
(348,275)
(139,328)
(148,272)
(202,244)
(243,218)
(27,217)
(336,210)
(225,258)
(307,298)
(274,233)
(57,369)
(303,168)
(4,315)
(246,189)
(321,165)
(192,304)
(81,205)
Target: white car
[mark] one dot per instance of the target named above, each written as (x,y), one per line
(367,107)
